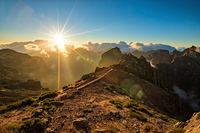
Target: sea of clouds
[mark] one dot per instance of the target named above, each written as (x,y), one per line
(43,47)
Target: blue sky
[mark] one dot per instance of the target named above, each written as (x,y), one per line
(175,22)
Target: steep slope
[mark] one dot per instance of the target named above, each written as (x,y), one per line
(18,73)
(18,66)
(98,107)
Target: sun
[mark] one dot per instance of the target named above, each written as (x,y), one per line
(59,40)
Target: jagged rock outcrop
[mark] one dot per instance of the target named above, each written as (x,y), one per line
(112,56)
(155,56)
(182,70)
(158,57)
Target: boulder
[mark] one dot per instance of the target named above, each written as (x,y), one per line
(81,124)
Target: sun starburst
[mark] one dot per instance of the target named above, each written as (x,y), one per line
(59,40)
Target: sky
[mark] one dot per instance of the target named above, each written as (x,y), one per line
(174,22)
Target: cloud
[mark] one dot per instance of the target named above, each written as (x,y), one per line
(102,47)
(187,97)
(43,52)
(32,47)
(181,48)
(151,46)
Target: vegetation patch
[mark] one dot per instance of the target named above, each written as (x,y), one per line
(162,117)
(131,104)
(117,103)
(119,90)
(139,108)
(35,125)
(50,94)
(20,104)
(138,116)
(46,99)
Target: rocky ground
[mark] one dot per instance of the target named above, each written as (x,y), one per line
(97,107)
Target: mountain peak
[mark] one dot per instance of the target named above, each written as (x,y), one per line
(110,57)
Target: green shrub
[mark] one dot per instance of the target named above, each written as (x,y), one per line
(48,108)
(117,89)
(162,117)
(117,103)
(131,104)
(139,108)
(47,101)
(35,125)
(138,116)
(50,94)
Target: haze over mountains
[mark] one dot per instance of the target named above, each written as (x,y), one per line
(43,47)
(86,55)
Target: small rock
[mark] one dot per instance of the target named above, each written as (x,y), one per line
(62,96)
(57,103)
(179,125)
(114,115)
(25,118)
(50,130)
(81,124)
(137,130)
(37,113)
(87,110)
(63,116)
(102,130)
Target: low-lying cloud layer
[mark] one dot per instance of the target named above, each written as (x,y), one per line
(151,46)
(32,47)
(188,98)
(128,47)
(43,47)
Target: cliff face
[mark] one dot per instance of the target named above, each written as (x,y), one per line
(182,70)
